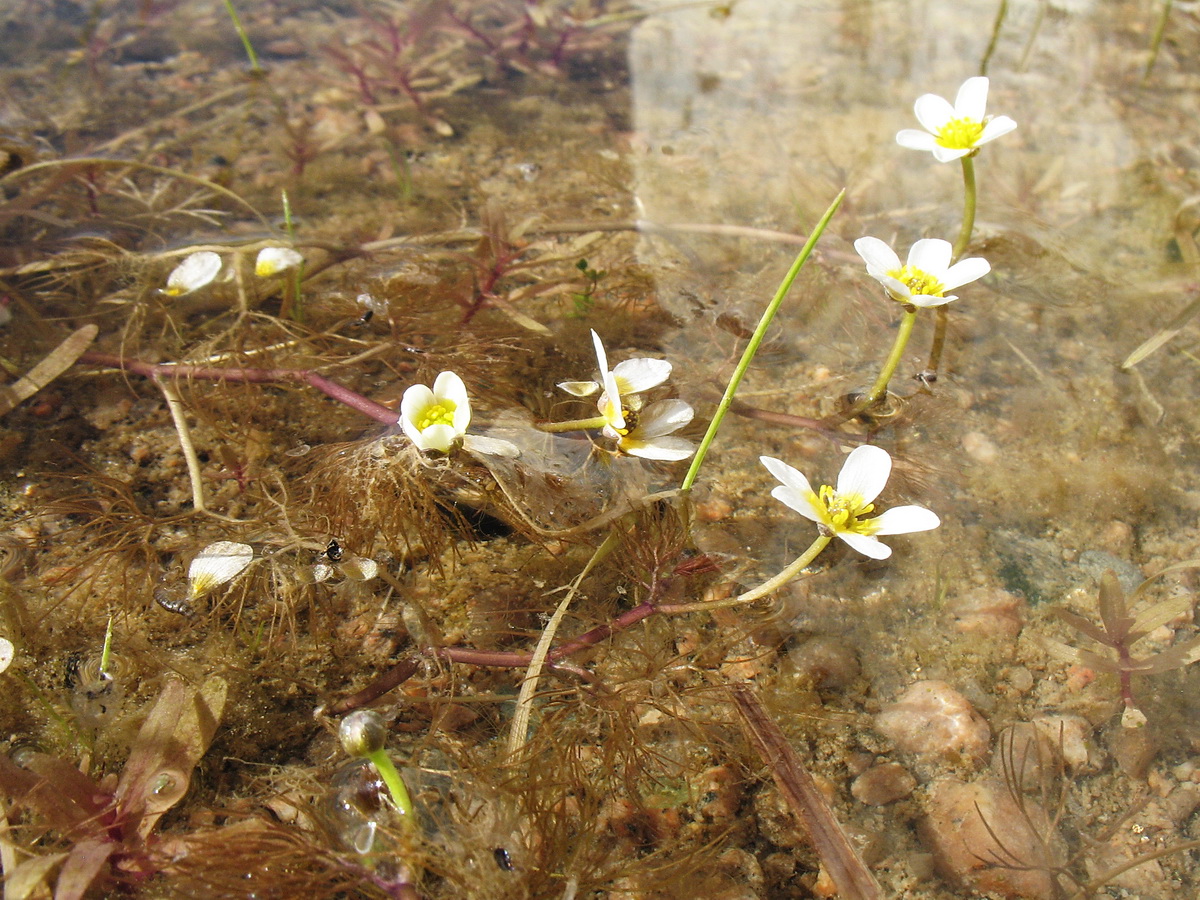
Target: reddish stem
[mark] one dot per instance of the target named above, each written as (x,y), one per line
(344,395)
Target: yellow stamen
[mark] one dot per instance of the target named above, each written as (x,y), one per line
(960,134)
(844,511)
(439,414)
(918,282)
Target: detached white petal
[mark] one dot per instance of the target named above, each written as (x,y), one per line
(579,388)
(272,260)
(215,565)
(197,270)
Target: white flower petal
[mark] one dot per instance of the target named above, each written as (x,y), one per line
(417,398)
(272,260)
(945,154)
(789,476)
(913,139)
(667,449)
(905,520)
(933,112)
(877,254)
(806,503)
(436,437)
(995,127)
(971,102)
(965,271)
(864,473)
(897,288)
(663,417)
(637,375)
(928,301)
(931,255)
(449,386)
(489,446)
(579,388)
(196,270)
(866,545)
(601,356)
(7,652)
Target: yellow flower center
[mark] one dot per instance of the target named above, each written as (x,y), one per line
(439,414)
(918,282)
(960,134)
(845,509)
(631,419)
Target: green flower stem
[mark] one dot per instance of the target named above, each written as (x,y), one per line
(879,389)
(395,784)
(756,340)
(968,221)
(767,587)
(241,30)
(573,425)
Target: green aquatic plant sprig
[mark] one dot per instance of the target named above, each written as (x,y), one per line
(363,735)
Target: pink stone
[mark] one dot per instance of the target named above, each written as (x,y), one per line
(932,719)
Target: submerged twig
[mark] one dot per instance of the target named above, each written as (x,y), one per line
(853,879)
(56,362)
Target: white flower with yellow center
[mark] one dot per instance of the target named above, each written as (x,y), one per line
(843,512)
(925,278)
(273,260)
(952,132)
(196,270)
(437,418)
(647,432)
(631,377)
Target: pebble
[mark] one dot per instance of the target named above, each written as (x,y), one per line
(883,784)
(980,447)
(826,662)
(969,827)
(989,612)
(934,720)
(1070,736)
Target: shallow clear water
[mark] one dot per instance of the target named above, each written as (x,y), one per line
(457,162)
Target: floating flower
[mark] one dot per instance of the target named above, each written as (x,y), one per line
(952,132)
(437,418)
(647,432)
(631,377)
(196,270)
(7,653)
(925,278)
(215,565)
(273,260)
(840,513)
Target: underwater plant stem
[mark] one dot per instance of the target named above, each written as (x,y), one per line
(106,652)
(798,565)
(519,732)
(1001,14)
(968,220)
(1156,42)
(296,310)
(255,67)
(344,395)
(573,425)
(755,342)
(879,388)
(175,405)
(395,784)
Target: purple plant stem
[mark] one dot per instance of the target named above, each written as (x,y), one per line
(506,659)
(344,395)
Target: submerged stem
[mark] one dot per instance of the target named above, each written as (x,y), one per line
(573,425)
(879,389)
(968,220)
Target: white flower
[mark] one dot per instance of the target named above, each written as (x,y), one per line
(436,419)
(272,260)
(631,377)
(196,270)
(646,432)
(927,275)
(840,512)
(952,132)
(216,564)
(7,653)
